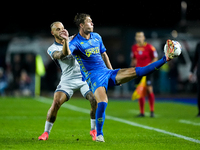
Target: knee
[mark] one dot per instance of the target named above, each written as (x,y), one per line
(100,95)
(56,104)
(93,102)
(103,100)
(92,99)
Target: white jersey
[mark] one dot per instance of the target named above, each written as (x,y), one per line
(68,65)
(71,79)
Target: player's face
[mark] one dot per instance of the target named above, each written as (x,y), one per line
(56,29)
(88,25)
(139,37)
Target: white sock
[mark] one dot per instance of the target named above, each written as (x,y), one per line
(48,126)
(93,124)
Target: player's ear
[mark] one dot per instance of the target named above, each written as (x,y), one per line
(81,25)
(52,33)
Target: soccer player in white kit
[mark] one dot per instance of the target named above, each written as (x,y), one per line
(71,80)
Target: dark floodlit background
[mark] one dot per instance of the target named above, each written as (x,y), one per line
(25,32)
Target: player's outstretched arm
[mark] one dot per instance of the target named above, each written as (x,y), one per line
(65,35)
(66,51)
(106,60)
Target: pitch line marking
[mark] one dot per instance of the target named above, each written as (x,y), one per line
(83,110)
(189,122)
(135,111)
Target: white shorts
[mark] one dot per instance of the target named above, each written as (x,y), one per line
(70,86)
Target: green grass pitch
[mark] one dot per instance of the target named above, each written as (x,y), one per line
(22,121)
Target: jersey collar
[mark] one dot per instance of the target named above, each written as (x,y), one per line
(144,44)
(57,43)
(91,35)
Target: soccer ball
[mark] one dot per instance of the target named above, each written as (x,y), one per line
(177,48)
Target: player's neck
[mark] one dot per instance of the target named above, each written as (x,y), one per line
(83,34)
(59,41)
(141,43)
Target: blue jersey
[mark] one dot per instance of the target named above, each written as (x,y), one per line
(88,53)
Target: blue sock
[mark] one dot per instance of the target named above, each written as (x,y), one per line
(100,117)
(143,71)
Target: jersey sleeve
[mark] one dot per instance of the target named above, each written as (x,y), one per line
(132,52)
(154,53)
(50,51)
(102,47)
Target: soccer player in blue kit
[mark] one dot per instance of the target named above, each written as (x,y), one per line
(95,66)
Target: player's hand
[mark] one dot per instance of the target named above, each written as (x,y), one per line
(64,34)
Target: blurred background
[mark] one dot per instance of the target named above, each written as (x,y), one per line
(25,33)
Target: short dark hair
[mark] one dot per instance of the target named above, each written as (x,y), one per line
(80,18)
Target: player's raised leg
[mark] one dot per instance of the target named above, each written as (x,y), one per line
(102,101)
(125,75)
(93,104)
(59,99)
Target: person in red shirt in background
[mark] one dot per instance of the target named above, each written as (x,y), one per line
(143,54)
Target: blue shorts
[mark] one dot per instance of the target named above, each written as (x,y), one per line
(103,78)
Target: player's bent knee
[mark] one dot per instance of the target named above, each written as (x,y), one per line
(92,99)
(56,104)
(100,95)
(93,102)
(59,99)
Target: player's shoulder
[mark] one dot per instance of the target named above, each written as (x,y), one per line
(95,35)
(53,47)
(74,39)
(151,47)
(148,44)
(134,46)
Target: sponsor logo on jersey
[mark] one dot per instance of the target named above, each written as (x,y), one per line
(91,51)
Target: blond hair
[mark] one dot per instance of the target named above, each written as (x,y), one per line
(54,23)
